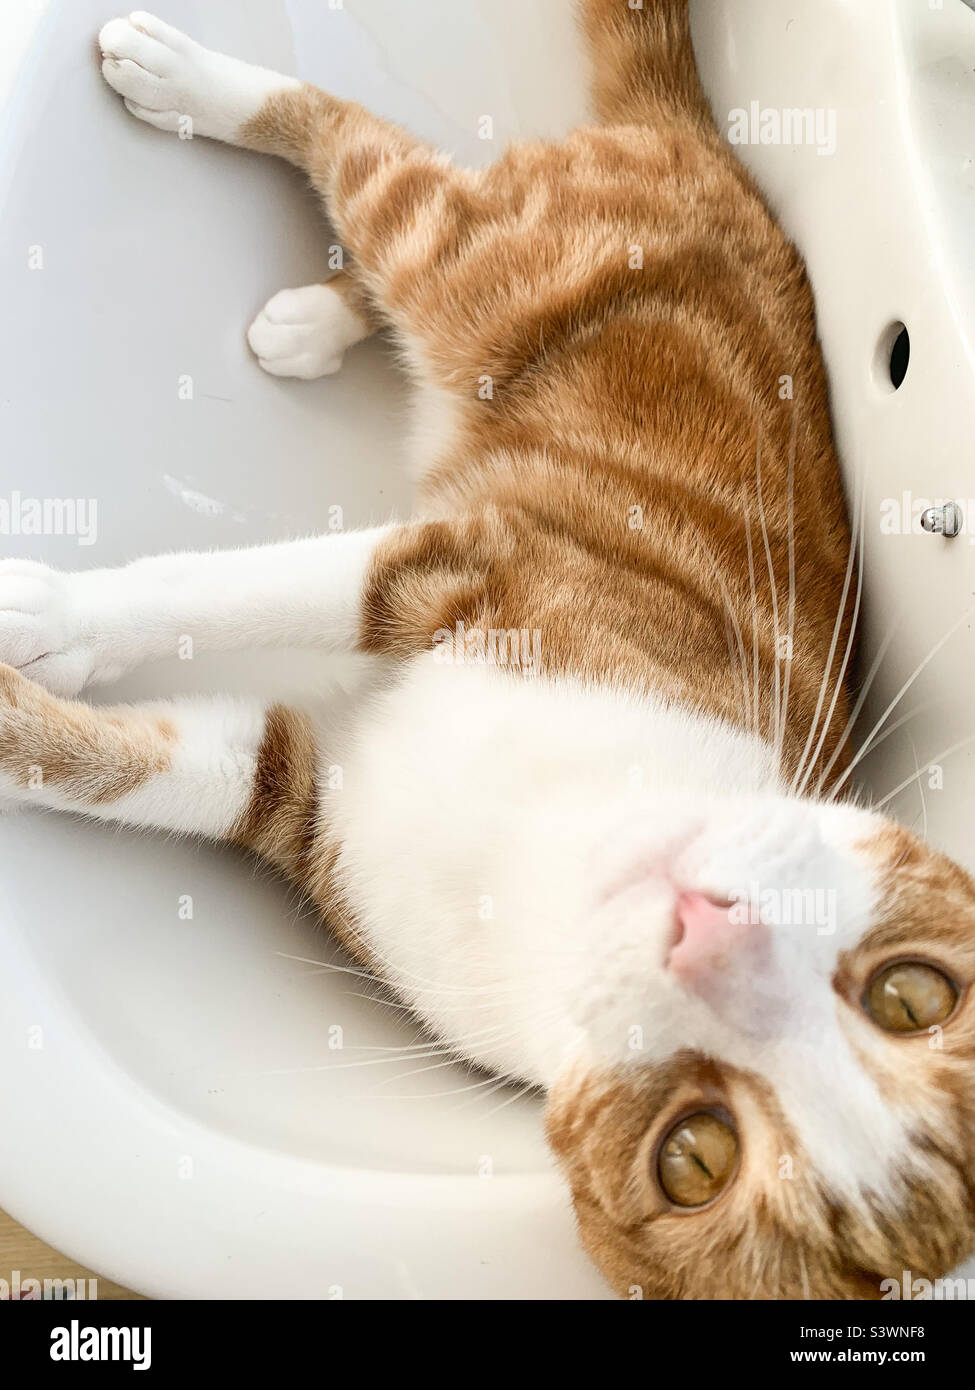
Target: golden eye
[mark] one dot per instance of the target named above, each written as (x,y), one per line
(908,997)
(697,1158)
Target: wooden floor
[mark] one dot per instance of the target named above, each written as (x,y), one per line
(21,1251)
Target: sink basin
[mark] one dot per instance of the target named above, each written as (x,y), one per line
(202,1097)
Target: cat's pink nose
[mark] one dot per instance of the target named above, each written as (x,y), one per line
(707,934)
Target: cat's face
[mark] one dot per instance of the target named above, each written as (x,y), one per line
(776,1100)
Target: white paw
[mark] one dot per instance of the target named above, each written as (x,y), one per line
(39,633)
(174,83)
(305,332)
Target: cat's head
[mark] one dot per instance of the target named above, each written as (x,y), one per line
(776,1098)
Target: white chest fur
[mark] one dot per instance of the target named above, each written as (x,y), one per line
(478,811)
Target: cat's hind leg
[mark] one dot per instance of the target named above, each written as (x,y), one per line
(394,201)
(175,84)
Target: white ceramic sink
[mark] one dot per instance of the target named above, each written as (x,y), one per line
(886,224)
(176,1111)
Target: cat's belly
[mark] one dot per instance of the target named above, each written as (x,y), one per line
(434,417)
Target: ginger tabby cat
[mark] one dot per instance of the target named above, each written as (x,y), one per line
(608,683)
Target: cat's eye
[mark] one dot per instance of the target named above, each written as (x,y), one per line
(909,996)
(697,1158)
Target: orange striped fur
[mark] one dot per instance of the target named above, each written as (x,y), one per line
(655,436)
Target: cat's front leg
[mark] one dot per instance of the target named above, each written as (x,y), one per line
(227,769)
(69,631)
(385,591)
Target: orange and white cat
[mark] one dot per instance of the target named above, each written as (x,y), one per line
(608,683)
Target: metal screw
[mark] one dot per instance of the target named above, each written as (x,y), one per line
(943,521)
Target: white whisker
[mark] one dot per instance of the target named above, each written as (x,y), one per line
(841,676)
(858,706)
(938,758)
(787,678)
(867,744)
(772,583)
(837,629)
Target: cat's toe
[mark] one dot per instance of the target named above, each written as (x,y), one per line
(36,629)
(141,67)
(157,70)
(123,41)
(29,602)
(304,332)
(287,349)
(174,83)
(165,34)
